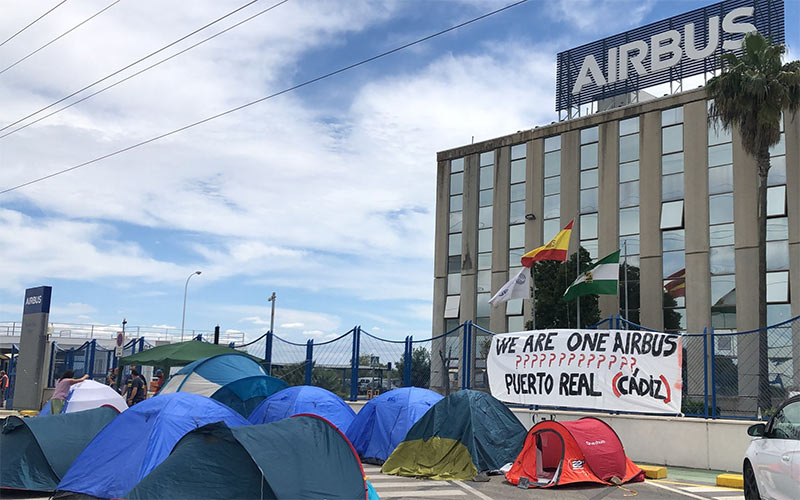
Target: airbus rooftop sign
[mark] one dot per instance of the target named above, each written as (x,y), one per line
(679,47)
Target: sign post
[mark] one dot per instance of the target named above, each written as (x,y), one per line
(120,341)
(30,383)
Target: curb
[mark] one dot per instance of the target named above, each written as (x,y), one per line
(730,480)
(653,471)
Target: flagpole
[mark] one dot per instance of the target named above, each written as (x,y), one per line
(625,247)
(578,273)
(533,298)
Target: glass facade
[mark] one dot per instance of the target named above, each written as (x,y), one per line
(551,214)
(721,254)
(515,320)
(778,299)
(486,164)
(629,218)
(454,235)
(589,190)
(673,238)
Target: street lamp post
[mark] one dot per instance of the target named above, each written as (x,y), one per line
(272,314)
(185,290)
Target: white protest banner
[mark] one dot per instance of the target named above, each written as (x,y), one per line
(598,369)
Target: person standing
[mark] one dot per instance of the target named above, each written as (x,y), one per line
(111,379)
(3,388)
(137,391)
(62,390)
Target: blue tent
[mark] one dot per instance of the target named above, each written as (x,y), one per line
(245,394)
(303,457)
(208,375)
(304,399)
(37,452)
(384,421)
(138,440)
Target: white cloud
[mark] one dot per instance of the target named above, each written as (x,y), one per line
(601,16)
(292,325)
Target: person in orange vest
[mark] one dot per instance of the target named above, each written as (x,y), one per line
(3,388)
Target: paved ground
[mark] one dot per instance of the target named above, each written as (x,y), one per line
(393,487)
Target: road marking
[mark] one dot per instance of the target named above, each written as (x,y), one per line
(701,489)
(472,490)
(737,497)
(401,484)
(676,490)
(420,493)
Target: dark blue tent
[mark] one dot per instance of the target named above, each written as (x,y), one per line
(304,399)
(138,440)
(245,394)
(384,421)
(36,452)
(304,457)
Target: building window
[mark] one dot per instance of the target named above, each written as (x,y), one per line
(629,218)
(673,244)
(454,239)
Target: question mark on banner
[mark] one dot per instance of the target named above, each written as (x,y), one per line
(544,358)
(561,359)
(633,362)
(623,363)
(613,360)
(552,358)
(519,358)
(589,361)
(571,357)
(534,357)
(527,358)
(600,360)
(580,359)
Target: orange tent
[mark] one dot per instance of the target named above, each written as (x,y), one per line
(585,450)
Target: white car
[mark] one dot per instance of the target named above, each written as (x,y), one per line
(772,462)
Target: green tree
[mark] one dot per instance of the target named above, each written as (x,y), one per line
(420,367)
(552,279)
(750,95)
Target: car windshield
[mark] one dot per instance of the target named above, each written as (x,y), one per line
(786,424)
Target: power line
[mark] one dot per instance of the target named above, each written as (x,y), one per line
(143,70)
(257,101)
(33,22)
(62,35)
(251,2)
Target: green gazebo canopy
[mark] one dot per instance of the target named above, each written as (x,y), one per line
(179,354)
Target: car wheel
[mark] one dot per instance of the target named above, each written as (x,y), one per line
(750,485)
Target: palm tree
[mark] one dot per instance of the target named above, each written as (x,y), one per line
(750,94)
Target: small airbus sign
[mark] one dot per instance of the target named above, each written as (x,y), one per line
(675,48)
(37,300)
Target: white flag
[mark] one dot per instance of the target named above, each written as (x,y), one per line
(518,287)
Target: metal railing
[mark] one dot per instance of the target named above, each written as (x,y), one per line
(109,332)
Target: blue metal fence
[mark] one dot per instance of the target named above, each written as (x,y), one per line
(719,378)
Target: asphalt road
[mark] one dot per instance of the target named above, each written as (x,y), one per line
(497,488)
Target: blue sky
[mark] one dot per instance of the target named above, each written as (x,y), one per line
(324,195)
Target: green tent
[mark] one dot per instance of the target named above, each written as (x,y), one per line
(179,354)
(38,451)
(466,433)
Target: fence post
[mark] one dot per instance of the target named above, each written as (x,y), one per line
(354,364)
(705,372)
(52,363)
(407,363)
(268,352)
(309,360)
(465,355)
(90,356)
(713,376)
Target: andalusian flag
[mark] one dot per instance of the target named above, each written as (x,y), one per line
(601,278)
(555,250)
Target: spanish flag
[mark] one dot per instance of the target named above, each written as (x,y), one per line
(555,250)
(677,287)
